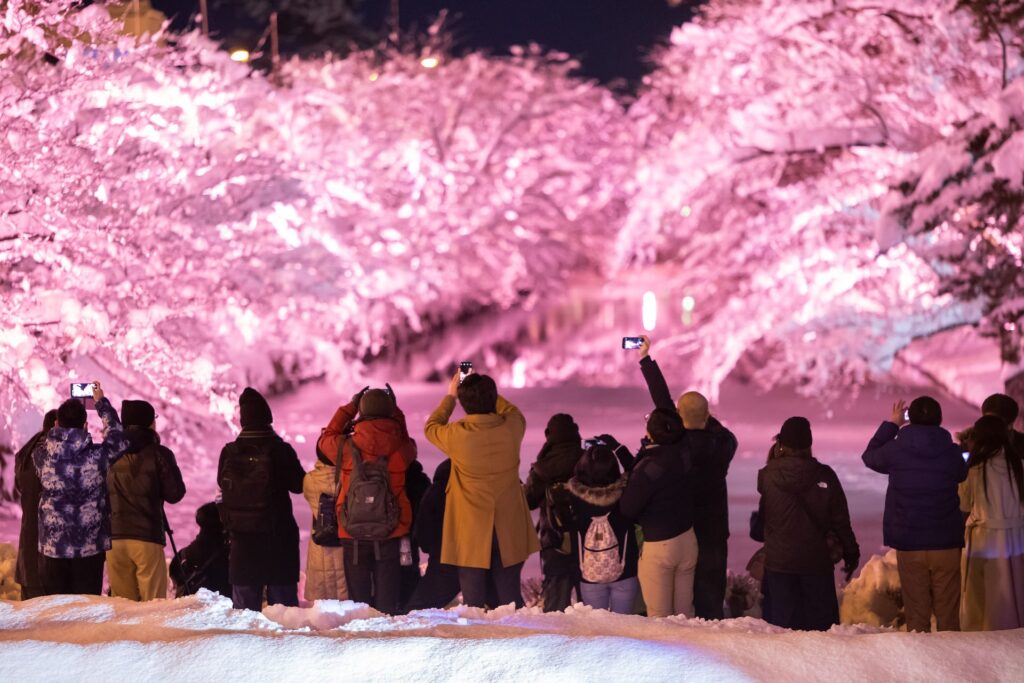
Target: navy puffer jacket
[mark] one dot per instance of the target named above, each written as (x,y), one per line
(925,467)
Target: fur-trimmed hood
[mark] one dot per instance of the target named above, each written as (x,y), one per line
(601,496)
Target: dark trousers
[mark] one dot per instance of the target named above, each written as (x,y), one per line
(474,581)
(29,592)
(709,578)
(373,573)
(436,589)
(251,597)
(800,601)
(557,592)
(80,575)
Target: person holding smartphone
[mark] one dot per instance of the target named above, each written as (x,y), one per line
(922,519)
(74,505)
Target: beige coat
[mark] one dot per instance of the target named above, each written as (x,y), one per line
(993,562)
(325,567)
(485,495)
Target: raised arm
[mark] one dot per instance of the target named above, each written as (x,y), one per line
(880,449)
(656,384)
(115,442)
(437,429)
(334,432)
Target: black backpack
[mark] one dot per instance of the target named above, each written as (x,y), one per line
(370,510)
(325,524)
(248,489)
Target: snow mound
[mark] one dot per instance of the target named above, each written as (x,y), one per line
(874,597)
(202,638)
(9,588)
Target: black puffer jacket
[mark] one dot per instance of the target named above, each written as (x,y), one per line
(712,450)
(139,485)
(27,486)
(801,500)
(428,527)
(554,465)
(659,495)
(587,502)
(260,559)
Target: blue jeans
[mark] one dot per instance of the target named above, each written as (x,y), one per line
(251,597)
(617,596)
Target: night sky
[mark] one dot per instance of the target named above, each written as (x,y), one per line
(609,37)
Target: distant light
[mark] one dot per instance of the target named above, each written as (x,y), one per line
(519,374)
(688,303)
(685,212)
(650,311)
(374,76)
(240,55)
(430,62)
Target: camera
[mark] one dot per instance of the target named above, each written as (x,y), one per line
(632,342)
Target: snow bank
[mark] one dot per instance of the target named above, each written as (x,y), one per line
(9,588)
(202,638)
(874,597)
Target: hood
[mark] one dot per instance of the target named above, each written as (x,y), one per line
(925,439)
(600,496)
(140,437)
(556,461)
(379,437)
(67,439)
(794,473)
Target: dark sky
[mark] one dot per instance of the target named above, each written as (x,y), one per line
(610,37)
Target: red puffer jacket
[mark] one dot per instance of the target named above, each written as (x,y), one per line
(379,438)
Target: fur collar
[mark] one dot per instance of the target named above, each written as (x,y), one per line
(601,496)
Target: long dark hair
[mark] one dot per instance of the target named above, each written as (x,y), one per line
(990,437)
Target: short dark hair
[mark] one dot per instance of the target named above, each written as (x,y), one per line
(1002,406)
(71,414)
(478,395)
(925,410)
(49,420)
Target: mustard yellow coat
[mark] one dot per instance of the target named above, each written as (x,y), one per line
(485,495)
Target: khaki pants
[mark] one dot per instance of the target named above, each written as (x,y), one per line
(666,572)
(137,570)
(930,581)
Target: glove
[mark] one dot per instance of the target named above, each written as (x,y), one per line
(391,393)
(609,440)
(358,396)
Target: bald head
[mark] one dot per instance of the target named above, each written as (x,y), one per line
(693,408)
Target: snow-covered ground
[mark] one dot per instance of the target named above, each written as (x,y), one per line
(201,638)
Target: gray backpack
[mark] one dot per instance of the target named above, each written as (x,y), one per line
(370,510)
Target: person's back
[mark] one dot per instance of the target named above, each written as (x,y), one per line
(256,473)
(922,519)
(139,484)
(993,499)
(203,563)
(27,488)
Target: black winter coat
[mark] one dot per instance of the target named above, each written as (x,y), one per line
(801,500)
(145,478)
(659,494)
(587,502)
(554,465)
(428,526)
(260,559)
(28,488)
(712,450)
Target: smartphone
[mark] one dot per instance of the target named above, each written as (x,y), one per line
(967,455)
(590,443)
(906,415)
(632,342)
(82,389)
(465,367)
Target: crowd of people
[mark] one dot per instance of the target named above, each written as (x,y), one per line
(630,532)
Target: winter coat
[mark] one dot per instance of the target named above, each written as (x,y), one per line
(74,506)
(325,566)
(587,502)
(801,501)
(711,450)
(485,496)
(993,566)
(428,530)
(659,495)
(554,465)
(376,438)
(925,466)
(272,558)
(139,485)
(27,488)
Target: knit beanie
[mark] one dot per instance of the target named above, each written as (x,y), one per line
(137,414)
(796,433)
(561,429)
(255,411)
(665,426)
(376,403)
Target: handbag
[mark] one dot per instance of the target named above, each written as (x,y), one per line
(325,524)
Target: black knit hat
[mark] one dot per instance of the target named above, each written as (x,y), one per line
(796,433)
(597,467)
(665,426)
(376,403)
(561,429)
(137,414)
(255,411)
